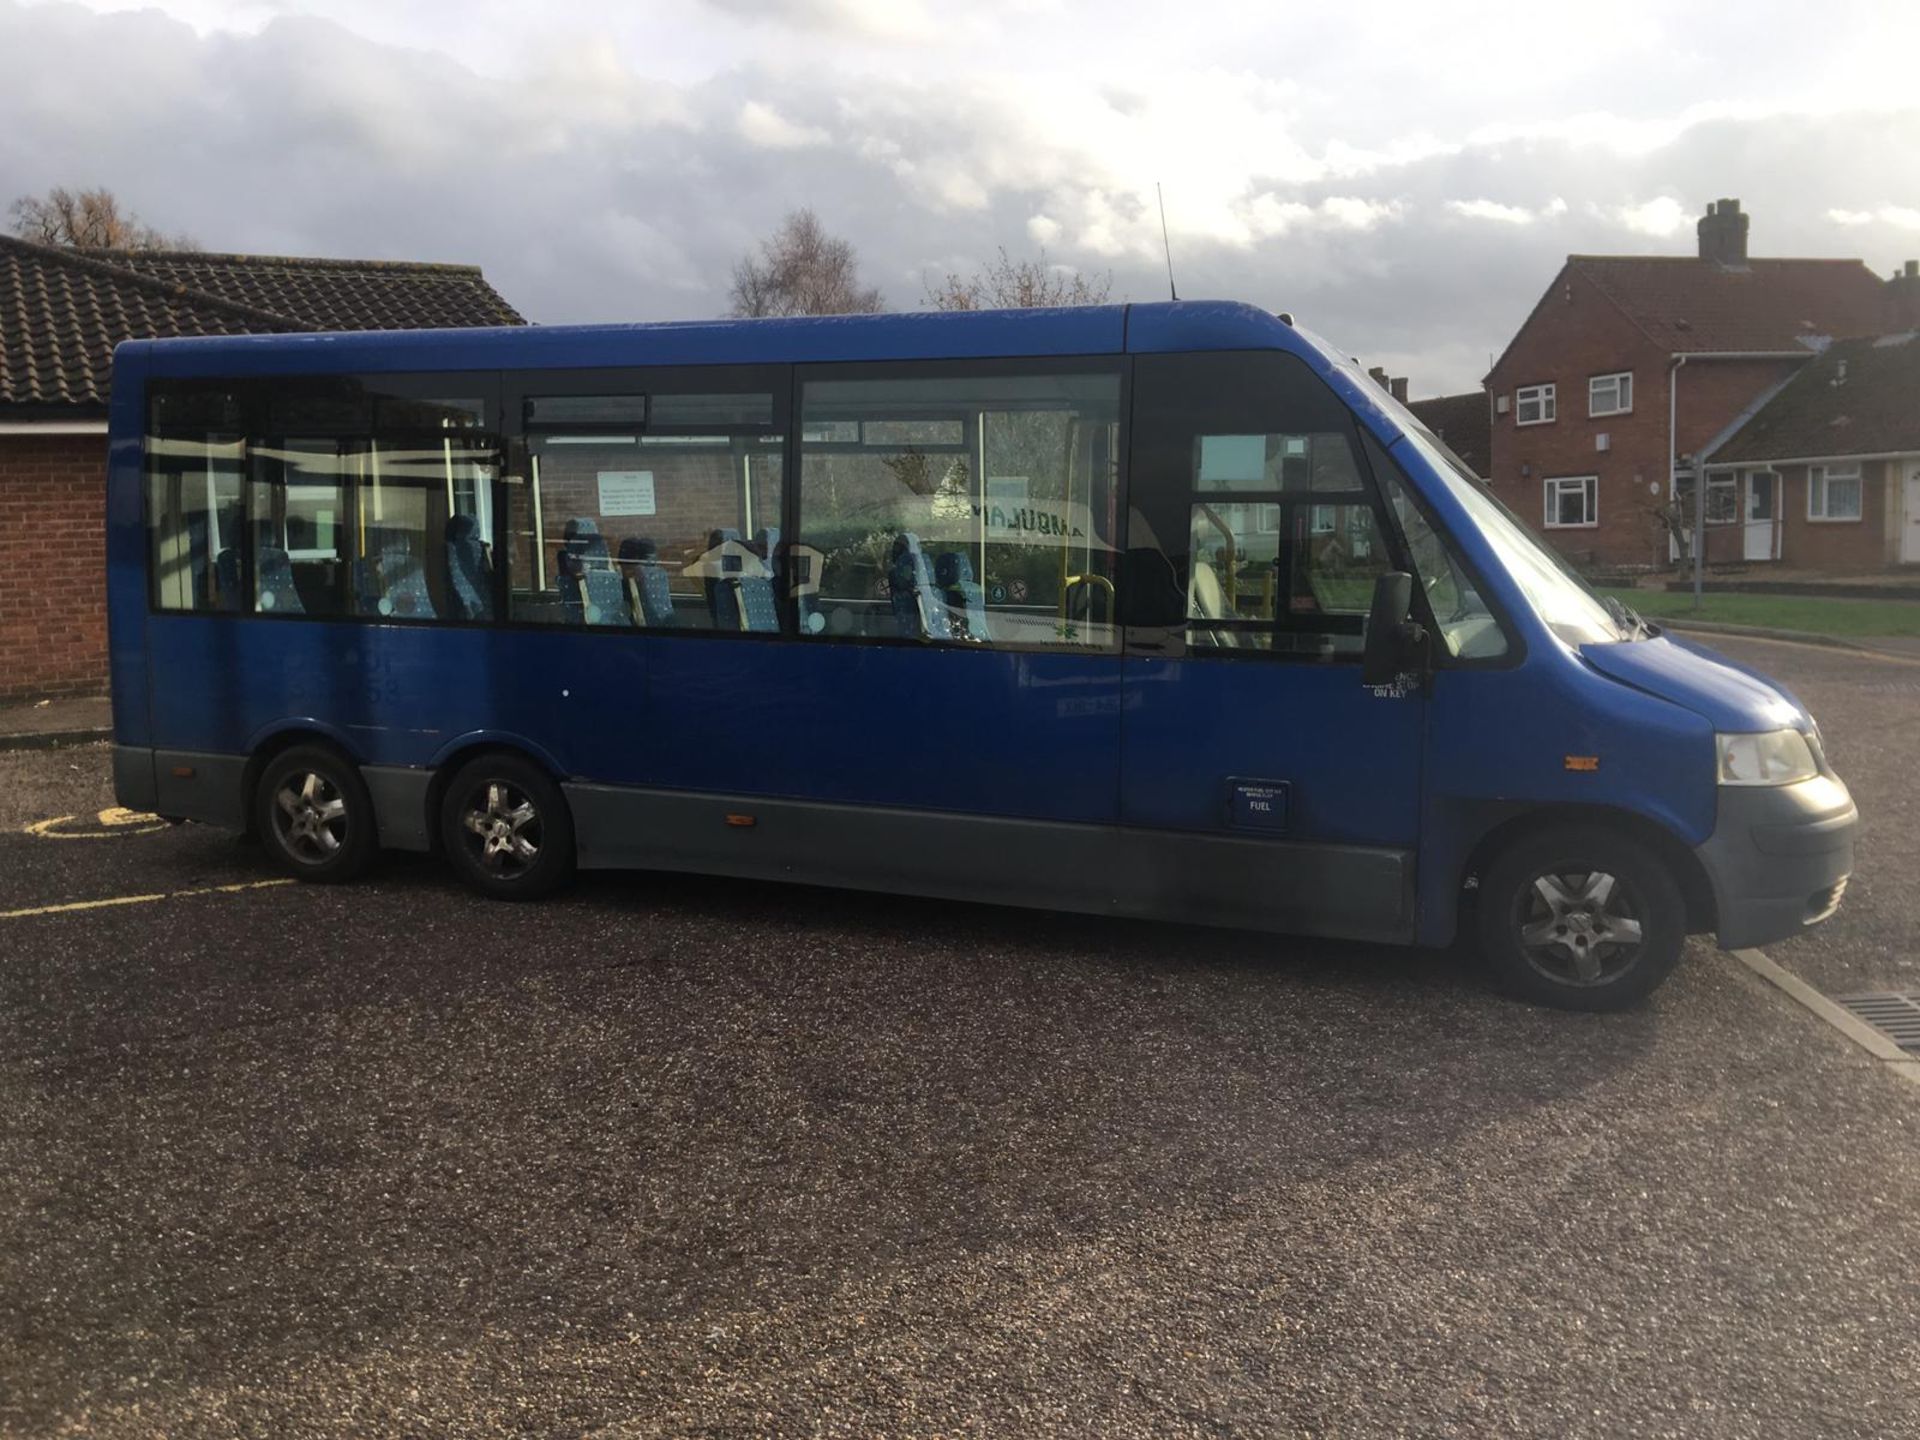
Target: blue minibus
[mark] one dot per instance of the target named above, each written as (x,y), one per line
(1148,610)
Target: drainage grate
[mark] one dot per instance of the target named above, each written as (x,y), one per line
(1895,1015)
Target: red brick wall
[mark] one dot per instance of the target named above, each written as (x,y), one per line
(53,566)
(1842,546)
(1573,334)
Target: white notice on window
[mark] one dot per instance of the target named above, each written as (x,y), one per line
(626,492)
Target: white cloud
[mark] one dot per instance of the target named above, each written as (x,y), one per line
(1662,217)
(637,170)
(1491,210)
(762,125)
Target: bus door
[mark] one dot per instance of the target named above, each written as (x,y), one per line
(1275,787)
(946,601)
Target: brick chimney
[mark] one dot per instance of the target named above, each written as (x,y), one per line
(1903,297)
(1397,387)
(1723,234)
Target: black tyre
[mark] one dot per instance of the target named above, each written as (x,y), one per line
(314,816)
(1580,917)
(505,826)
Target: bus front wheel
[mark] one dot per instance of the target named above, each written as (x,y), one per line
(505,826)
(1580,917)
(312,809)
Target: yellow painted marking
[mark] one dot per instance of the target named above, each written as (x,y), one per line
(113,900)
(115,821)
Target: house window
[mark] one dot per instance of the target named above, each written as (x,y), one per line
(1723,499)
(1573,502)
(1833,492)
(1533,405)
(1610,394)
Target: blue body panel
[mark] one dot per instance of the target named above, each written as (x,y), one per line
(1350,759)
(1144,741)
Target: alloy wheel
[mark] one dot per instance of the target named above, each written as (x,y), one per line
(1579,927)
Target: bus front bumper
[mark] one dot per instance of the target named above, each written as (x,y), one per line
(1779,858)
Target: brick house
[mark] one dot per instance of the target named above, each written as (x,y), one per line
(1629,367)
(1465,422)
(61,314)
(1832,457)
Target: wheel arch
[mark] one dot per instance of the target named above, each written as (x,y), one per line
(1696,889)
(277,740)
(449,761)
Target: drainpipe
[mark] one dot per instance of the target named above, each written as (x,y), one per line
(1673,479)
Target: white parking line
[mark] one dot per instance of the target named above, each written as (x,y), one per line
(113,900)
(1900,1062)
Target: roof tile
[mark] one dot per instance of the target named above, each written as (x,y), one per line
(1692,306)
(63,311)
(1861,397)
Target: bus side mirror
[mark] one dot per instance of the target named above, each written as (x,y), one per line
(1394,642)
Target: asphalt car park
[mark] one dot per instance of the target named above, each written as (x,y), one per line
(700,1157)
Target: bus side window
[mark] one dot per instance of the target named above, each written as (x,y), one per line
(331,499)
(1248,464)
(972,508)
(670,520)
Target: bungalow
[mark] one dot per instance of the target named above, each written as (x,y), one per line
(1824,472)
(61,314)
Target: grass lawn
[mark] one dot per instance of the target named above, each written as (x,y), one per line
(1819,614)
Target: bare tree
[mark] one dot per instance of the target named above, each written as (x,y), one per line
(802,270)
(1009,284)
(87,220)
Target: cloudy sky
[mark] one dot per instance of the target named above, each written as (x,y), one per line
(1405,178)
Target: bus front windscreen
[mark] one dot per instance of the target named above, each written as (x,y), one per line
(1557,594)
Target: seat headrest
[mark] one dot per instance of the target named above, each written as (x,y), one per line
(638,547)
(905,543)
(460,528)
(953,567)
(579,528)
(768,539)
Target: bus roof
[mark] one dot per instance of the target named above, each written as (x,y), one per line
(977,334)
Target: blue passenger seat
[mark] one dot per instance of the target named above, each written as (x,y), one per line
(278,595)
(403,583)
(917,610)
(964,597)
(469,576)
(649,600)
(590,591)
(723,561)
(226,579)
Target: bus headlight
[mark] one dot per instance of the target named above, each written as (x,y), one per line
(1774,757)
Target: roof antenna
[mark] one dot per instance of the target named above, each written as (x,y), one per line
(1164,242)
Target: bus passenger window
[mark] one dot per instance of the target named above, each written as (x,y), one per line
(1251,466)
(961,510)
(628,527)
(380,511)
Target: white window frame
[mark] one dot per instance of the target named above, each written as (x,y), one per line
(1728,482)
(1819,477)
(1621,383)
(1543,396)
(1555,484)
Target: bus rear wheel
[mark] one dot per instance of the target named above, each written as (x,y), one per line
(1581,918)
(312,809)
(505,826)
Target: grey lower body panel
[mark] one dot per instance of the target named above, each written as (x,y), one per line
(190,785)
(400,805)
(133,783)
(1353,892)
(1779,857)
